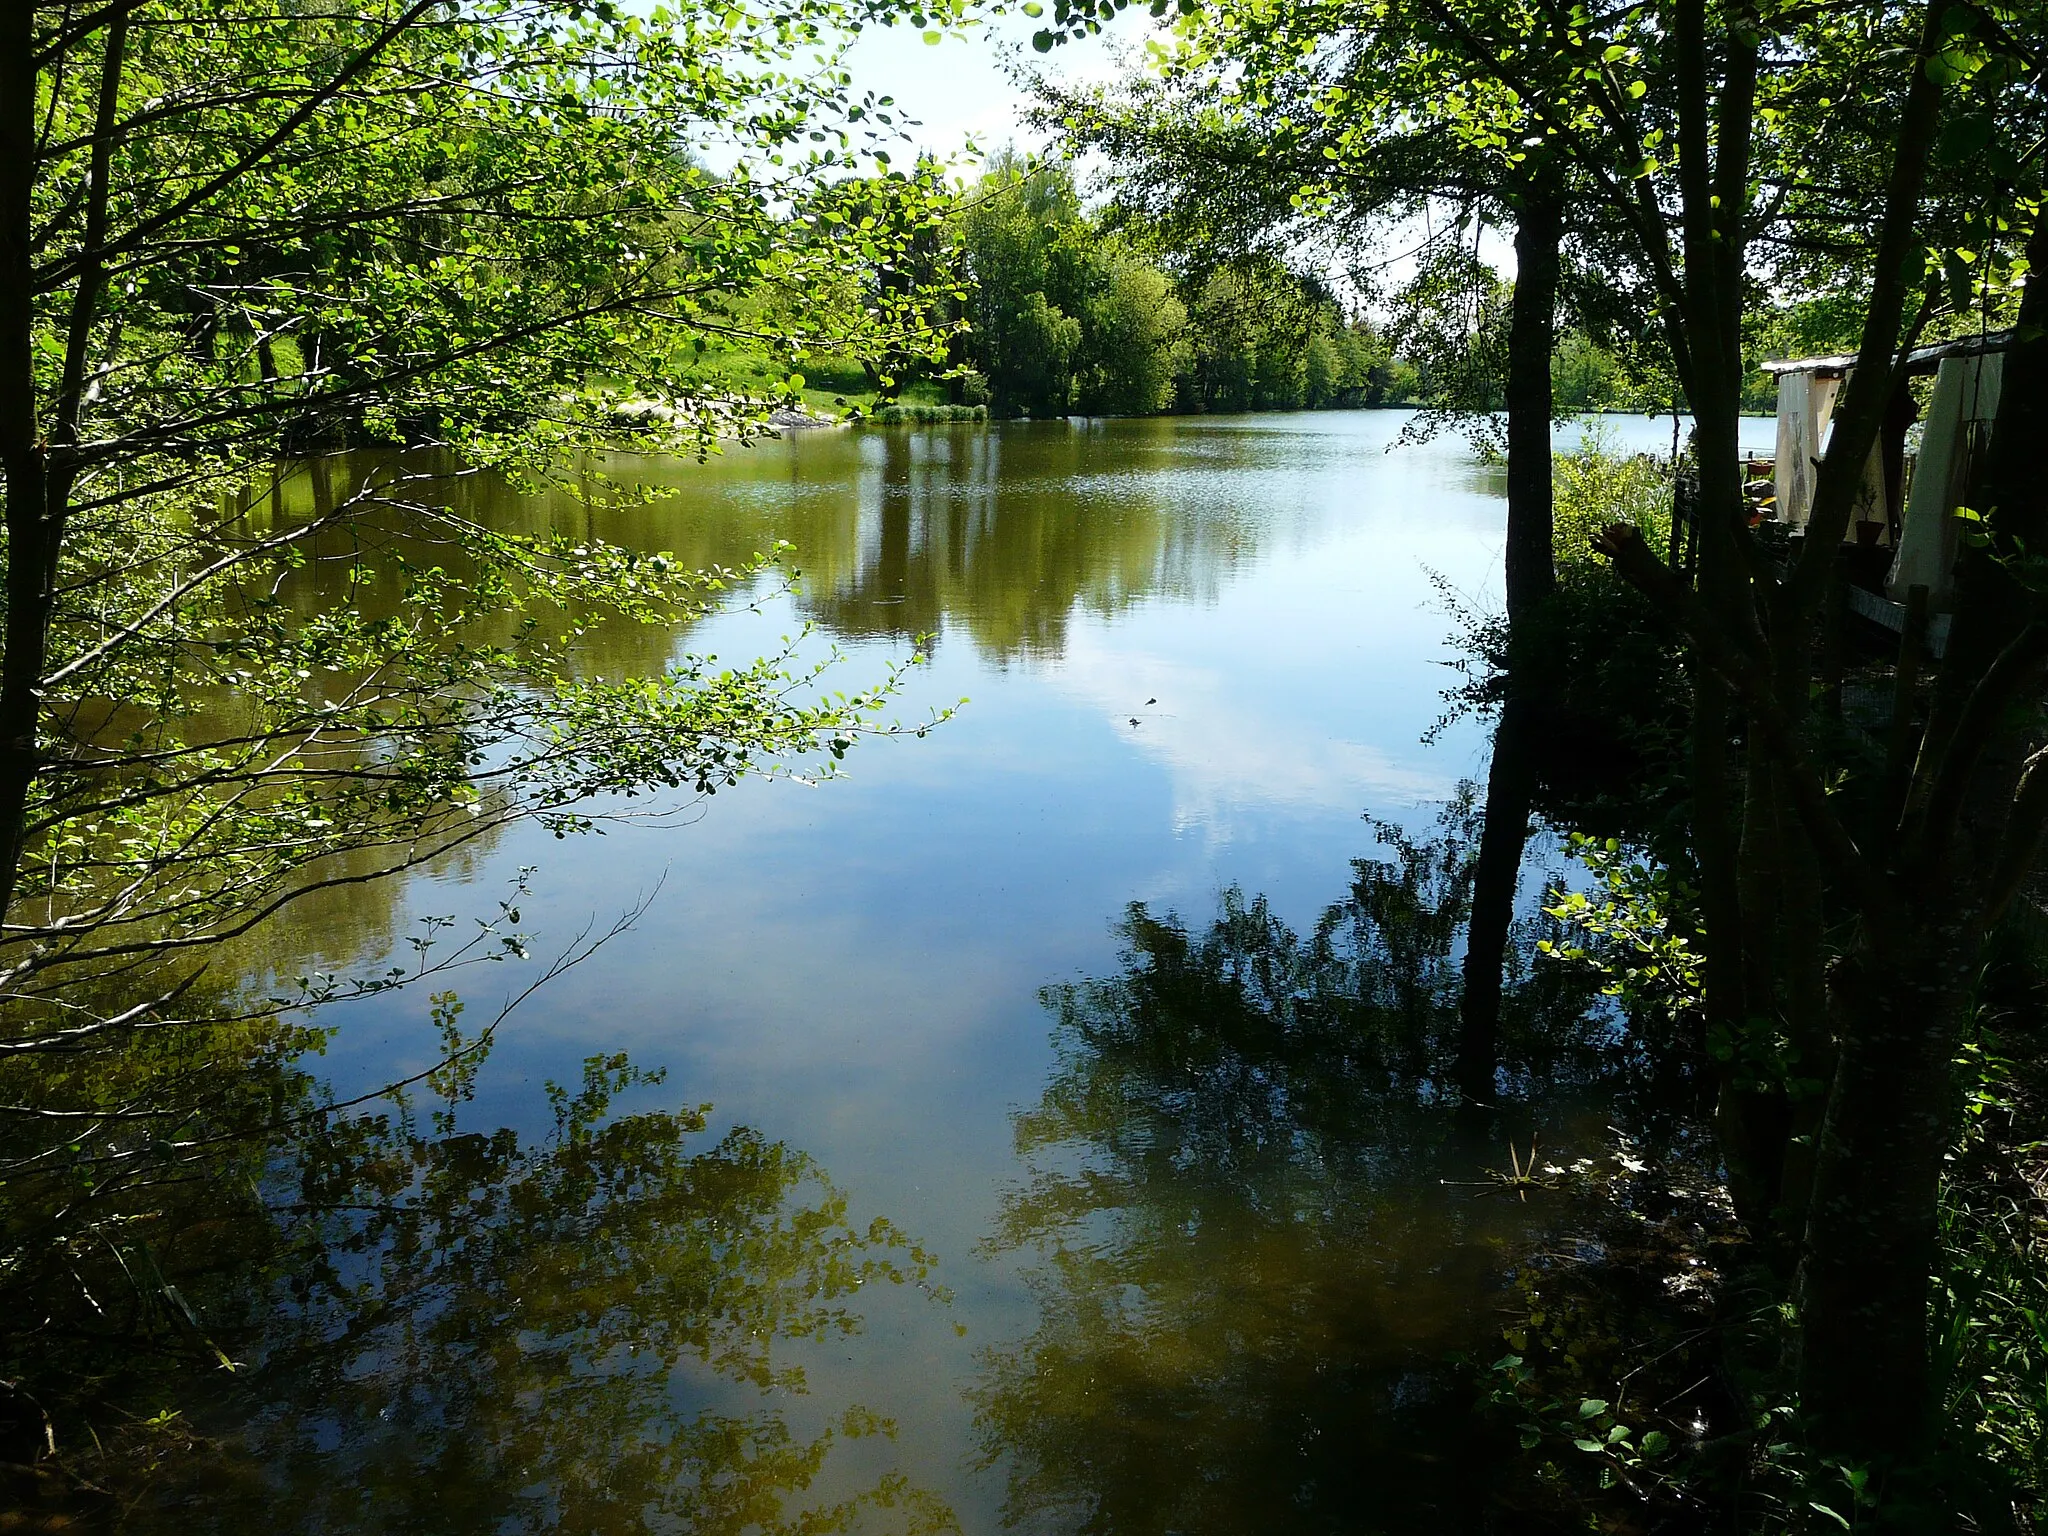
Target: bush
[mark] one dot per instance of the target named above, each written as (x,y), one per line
(1617,691)
(1595,487)
(927,415)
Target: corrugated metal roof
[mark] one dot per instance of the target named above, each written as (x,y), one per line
(1919,360)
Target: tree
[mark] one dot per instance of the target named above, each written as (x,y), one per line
(1251,139)
(1135,339)
(278,286)
(1013,233)
(1725,145)
(472,233)
(1102,312)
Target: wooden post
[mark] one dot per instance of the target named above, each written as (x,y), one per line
(1899,753)
(1834,619)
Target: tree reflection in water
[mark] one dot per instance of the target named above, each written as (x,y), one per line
(452,1332)
(1247,1271)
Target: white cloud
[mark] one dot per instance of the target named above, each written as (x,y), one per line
(1226,753)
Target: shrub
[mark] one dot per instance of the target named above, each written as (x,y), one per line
(927,415)
(1595,487)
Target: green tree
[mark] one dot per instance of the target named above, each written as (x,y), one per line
(1885,151)
(1323,375)
(473,233)
(280,287)
(1102,313)
(1252,323)
(1013,233)
(1135,338)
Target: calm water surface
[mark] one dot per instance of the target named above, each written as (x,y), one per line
(1154,1263)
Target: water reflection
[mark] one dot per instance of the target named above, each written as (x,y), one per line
(1003,537)
(445,1330)
(1246,1270)
(1006,535)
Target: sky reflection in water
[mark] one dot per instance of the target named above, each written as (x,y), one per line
(1192,1278)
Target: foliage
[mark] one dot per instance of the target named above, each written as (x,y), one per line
(1596,488)
(1991,1325)
(1135,336)
(1230,1178)
(1280,135)
(424,1318)
(1072,311)
(1611,759)
(1452,324)
(1589,375)
(1719,159)
(1267,339)
(292,293)
(1991,1285)
(302,280)
(927,415)
(1017,237)
(1636,929)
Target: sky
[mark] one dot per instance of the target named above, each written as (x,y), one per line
(967,86)
(964,85)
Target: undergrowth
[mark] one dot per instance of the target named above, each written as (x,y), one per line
(1650,1364)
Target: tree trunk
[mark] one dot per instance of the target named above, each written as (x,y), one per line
(1870,1232)
(1532,336)
(1510,779)
(1530,579)
(24,458)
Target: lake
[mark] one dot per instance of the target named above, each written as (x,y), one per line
(1084,996)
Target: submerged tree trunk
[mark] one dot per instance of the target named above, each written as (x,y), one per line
(1510,781)
(1531,578)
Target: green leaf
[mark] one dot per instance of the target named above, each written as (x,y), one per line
(1964,138)
(1592,1407)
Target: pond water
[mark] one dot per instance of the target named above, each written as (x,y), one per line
(1084,996)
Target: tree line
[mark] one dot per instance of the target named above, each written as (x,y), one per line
(1111,311)
(1069,312)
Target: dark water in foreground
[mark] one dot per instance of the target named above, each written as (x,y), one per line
(1070,1153)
